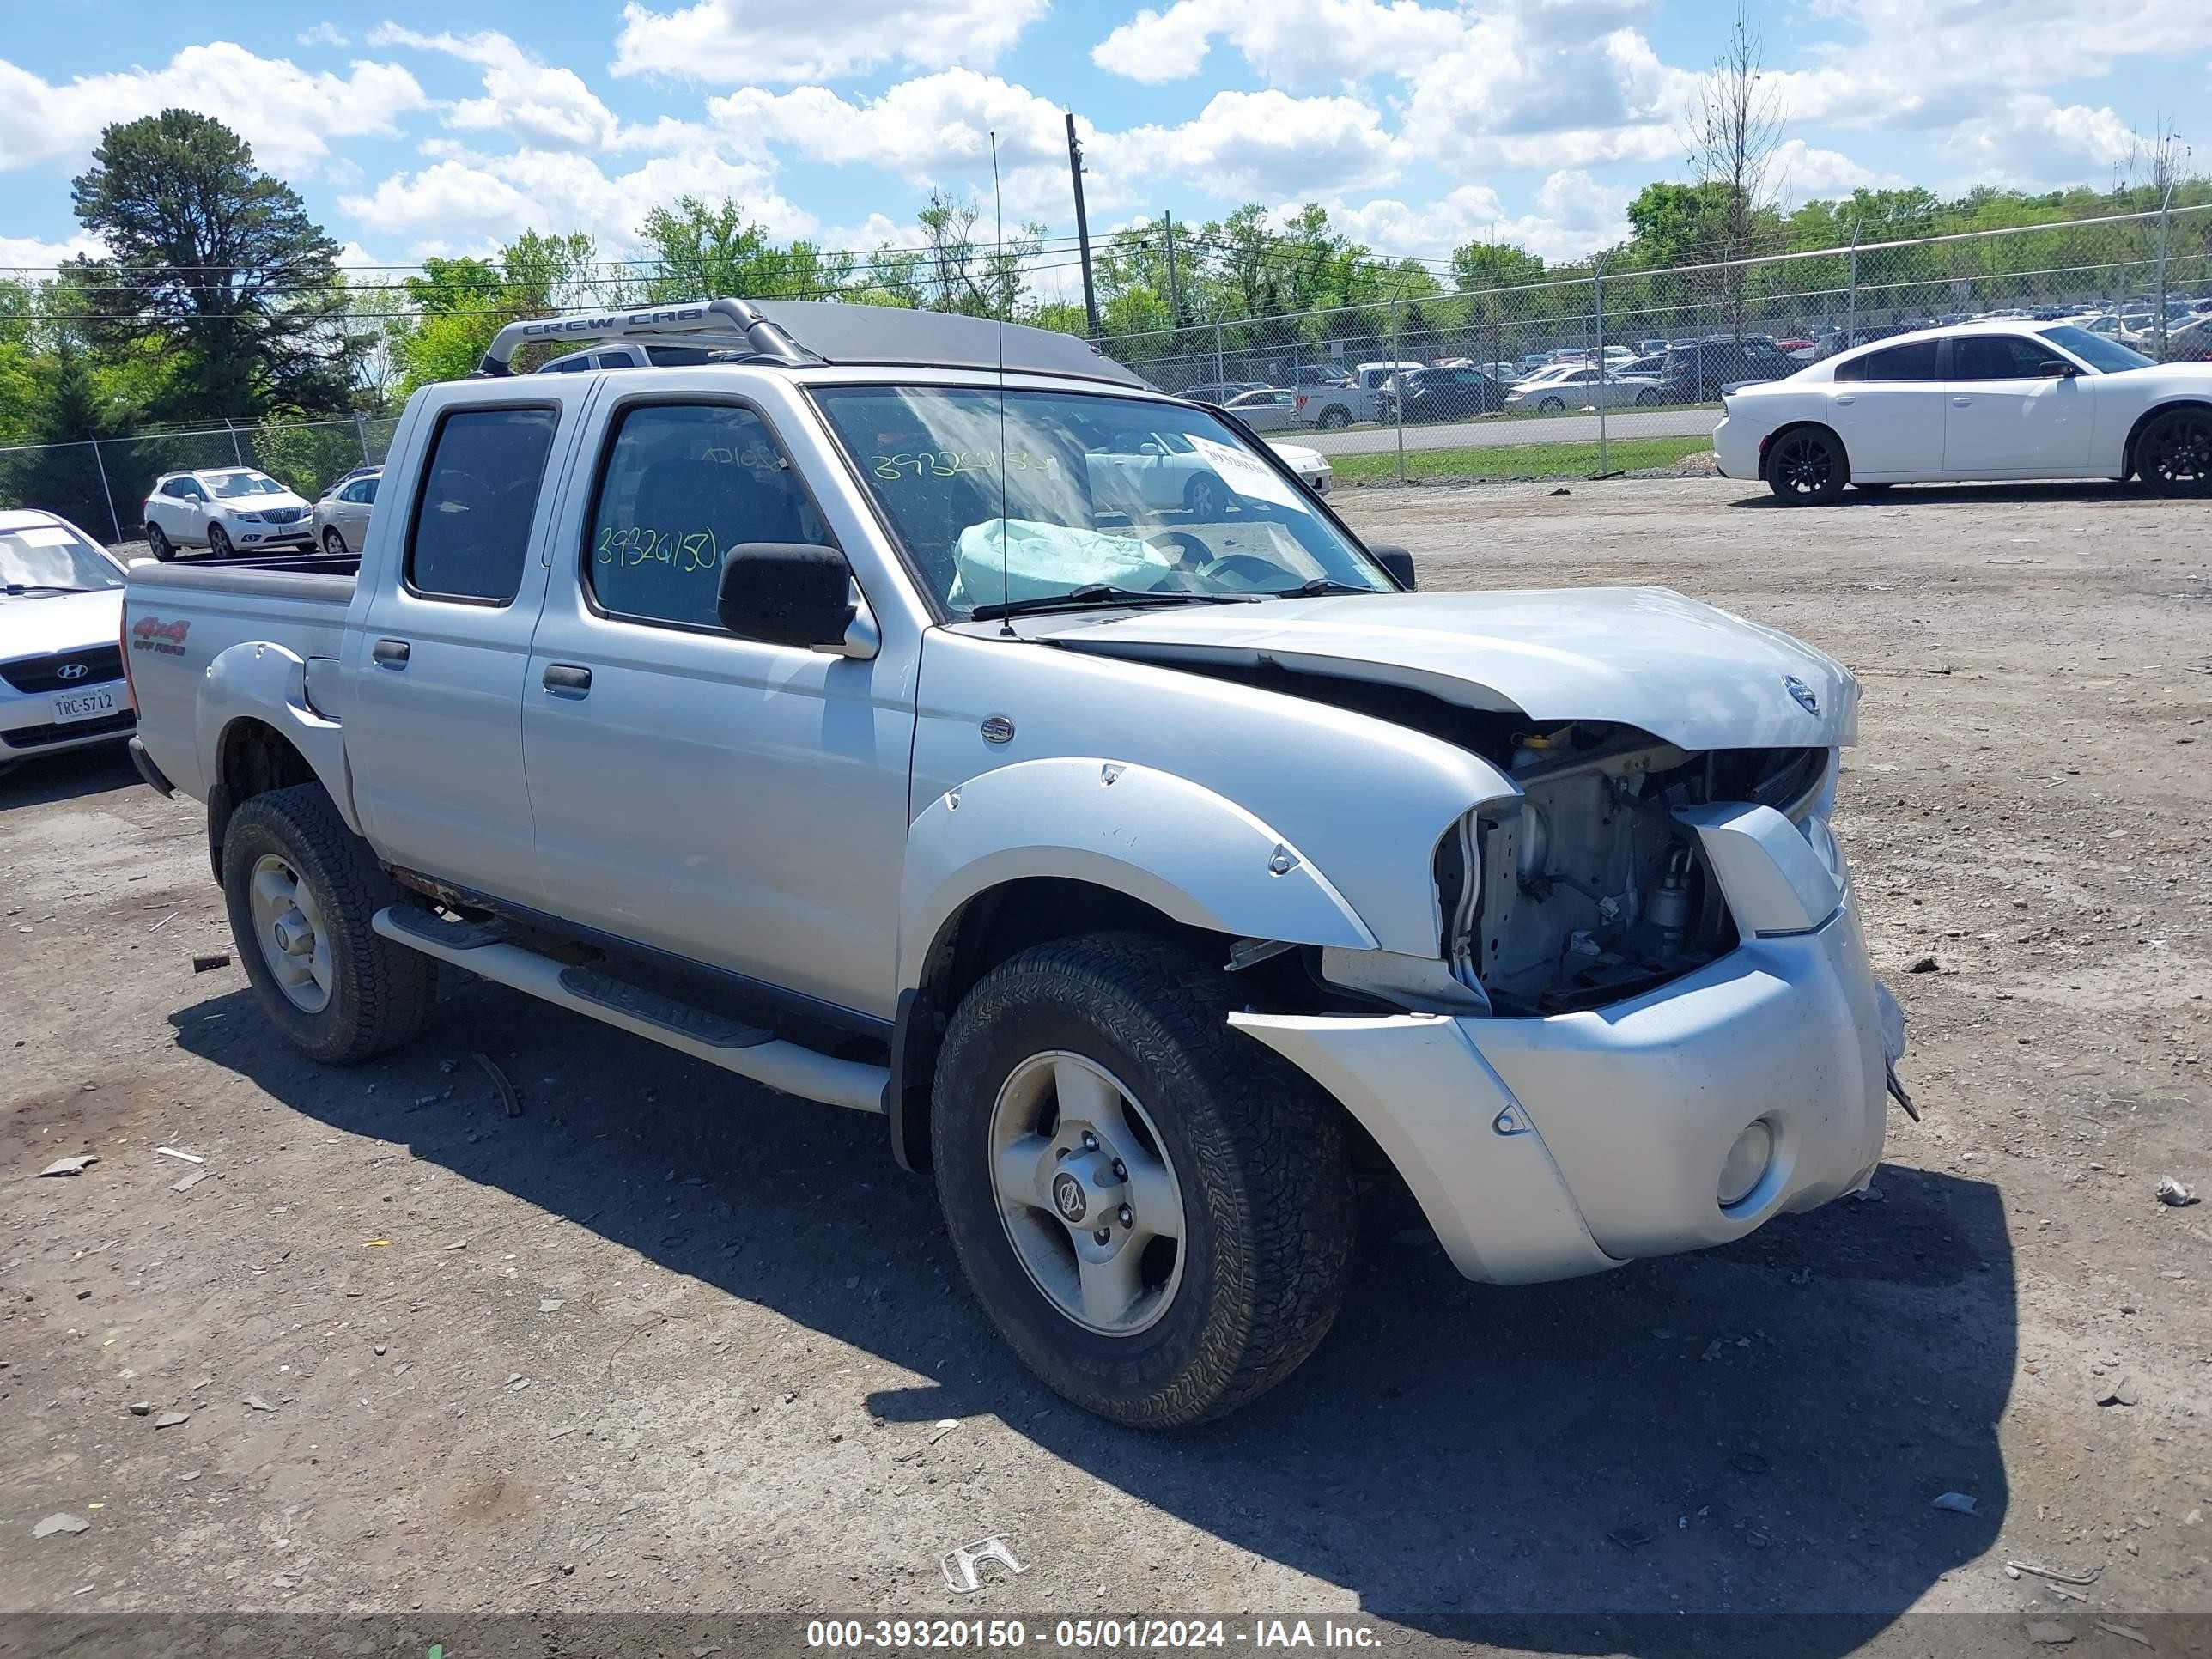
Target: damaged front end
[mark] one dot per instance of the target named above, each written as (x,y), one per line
(1589,886)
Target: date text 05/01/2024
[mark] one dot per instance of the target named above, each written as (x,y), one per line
(1088,1635)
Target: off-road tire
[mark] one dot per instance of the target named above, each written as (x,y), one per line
(383,992)
(1259,1151)
(158,544)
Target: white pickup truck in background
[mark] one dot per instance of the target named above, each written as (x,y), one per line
(859,713)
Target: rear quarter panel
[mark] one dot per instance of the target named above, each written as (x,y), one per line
(203,647)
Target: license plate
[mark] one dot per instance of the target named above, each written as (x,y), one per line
(84,706)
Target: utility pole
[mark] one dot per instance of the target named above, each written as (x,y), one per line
(1082,225)
(1175,289)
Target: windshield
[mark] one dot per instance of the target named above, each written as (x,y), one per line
(2105,356)
(1098,491)
(230,485)
(53,556)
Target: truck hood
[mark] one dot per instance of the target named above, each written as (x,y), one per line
(34,624)
(1686,672)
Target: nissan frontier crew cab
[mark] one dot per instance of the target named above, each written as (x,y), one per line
(857,713)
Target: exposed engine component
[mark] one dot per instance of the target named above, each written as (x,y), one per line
(1586,888)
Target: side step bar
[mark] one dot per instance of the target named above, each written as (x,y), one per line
(694,1031)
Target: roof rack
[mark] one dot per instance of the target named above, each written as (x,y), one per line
(805,333)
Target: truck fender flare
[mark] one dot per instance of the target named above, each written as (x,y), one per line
(259,681)
(1193,856)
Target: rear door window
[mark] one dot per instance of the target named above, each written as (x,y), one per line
(1916,361)
(471,528)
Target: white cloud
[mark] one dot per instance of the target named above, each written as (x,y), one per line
(1574,216)
(26,258)
(730,41)
(539,103)
(487,199)
(937,128)
(1318,43)
(288,115)
(2029,142)
(322,34)
(1801,173)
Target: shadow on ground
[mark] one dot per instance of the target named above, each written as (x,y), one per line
(46,778)
(1758,1429)
(2026,494)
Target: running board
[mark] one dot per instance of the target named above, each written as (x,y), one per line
(720,1042)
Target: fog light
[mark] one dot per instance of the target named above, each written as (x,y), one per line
(1747,1164)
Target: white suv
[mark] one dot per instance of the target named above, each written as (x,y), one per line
(225,510)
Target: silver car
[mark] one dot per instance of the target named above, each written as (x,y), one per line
(1269,409)
(1577,386)
(341,515)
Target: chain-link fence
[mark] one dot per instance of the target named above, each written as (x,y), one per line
(1620,367)
(102,485)
(1614,367)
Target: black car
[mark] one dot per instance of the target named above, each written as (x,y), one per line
(1450,394)
(1697,370)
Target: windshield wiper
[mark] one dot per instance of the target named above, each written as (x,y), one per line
(1095,593)
(1317,587)
(43,587)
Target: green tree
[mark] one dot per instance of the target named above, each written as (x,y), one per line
(218,266)
(66,478)
(695,250)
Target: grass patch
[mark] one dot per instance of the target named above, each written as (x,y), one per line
(1552,460)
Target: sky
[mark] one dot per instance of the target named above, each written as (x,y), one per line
(414,128)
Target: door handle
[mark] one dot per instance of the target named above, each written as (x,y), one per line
(566,680)
(1847,399)
(1961,403)
(392,653)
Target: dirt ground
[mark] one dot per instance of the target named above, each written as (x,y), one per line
(663,1342)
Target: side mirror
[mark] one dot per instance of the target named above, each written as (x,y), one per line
(785,593)
(1398,561)
(2057,370)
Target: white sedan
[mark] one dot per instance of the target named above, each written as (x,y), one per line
(1992,400)
(61,656)
(1564,386)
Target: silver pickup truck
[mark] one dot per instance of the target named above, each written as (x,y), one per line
(876,712)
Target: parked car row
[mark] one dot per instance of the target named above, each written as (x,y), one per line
(237,510)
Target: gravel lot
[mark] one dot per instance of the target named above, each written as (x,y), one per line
(663,1342)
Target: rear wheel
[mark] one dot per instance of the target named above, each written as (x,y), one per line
(1155,1213)
(1551,406)
(158,545)
(1648,398)
(2174,454)
(218,541)
(301,887)
(1807,468)
(1205,497)
(333,543)
(1334,418)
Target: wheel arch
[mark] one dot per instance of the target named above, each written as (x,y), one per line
(2142,424)
(257,733)
(1766,445)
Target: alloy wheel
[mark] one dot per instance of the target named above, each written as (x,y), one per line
(1087,1194)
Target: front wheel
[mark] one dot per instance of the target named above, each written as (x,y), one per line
(333,543)
(1155,1213)
(301,887)
(2174,454)
(1807,468)
(218,541)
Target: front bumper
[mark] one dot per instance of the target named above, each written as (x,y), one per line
(1544,1148)
(301,534)
(28,728)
